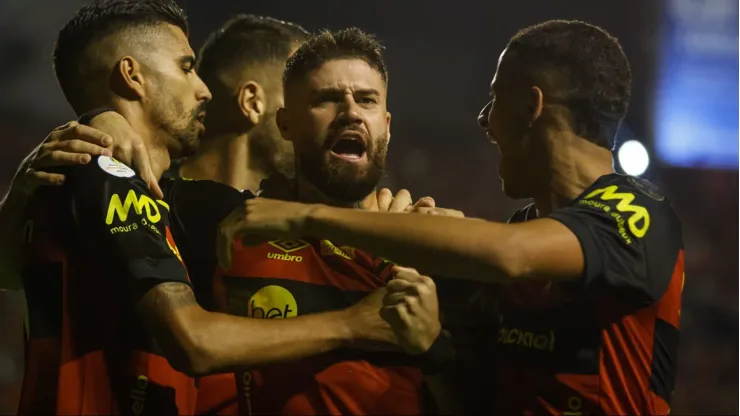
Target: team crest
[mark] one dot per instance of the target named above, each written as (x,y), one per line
(329,249)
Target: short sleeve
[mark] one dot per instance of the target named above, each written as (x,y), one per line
(630,236)
(197,209)
(113,207)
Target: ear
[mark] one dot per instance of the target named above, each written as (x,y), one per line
(388,125)
(129,74)
(536,103)
(282,118)
(251,101)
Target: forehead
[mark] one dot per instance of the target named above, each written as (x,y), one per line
(345,74)
(507,72)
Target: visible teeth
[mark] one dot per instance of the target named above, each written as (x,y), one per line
(351,156)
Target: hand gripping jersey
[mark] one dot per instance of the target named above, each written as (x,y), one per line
(92,248)
(284,279)
(606,344)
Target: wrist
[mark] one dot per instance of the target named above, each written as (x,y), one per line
(314,219)
(341,327)
(427,342)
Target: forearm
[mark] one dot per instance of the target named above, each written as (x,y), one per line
(12,224)
(437,245)
(230,342)
(199,342)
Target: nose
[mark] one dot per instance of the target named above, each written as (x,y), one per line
(483,115)
(202,93)
(350,112)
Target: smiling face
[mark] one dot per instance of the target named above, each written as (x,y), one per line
(337,119)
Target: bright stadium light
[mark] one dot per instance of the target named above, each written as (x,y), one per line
(633,158)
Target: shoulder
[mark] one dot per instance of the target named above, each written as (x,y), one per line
(636,202)
(105,172)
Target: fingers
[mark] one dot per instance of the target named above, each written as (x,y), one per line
(425,202)
(143,166)
(385,198)
(36,178)
(80,132)
(400,201)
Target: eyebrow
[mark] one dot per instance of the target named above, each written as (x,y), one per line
(361,91)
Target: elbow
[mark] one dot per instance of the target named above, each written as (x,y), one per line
(188,349)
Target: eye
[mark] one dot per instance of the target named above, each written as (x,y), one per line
(367,100)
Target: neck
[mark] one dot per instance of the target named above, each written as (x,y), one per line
(575,164)
(308,193)
(226,158)
(156,147)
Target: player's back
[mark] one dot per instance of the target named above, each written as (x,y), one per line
(88,352)
(606,344)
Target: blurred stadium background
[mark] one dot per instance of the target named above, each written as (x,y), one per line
(682,127)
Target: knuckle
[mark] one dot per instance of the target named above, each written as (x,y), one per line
(385,192)
(427,282)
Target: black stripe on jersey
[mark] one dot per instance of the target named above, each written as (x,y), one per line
(43,286)
(665,359)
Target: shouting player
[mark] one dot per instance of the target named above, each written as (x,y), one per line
(107,293)
(589,319)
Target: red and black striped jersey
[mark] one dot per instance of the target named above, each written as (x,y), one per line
(92,248)
(606,344)
(283,279)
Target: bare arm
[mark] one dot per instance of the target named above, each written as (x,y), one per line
(200,342)
(469,248)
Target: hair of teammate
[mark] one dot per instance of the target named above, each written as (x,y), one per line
(584,68)
(327,46)
(98,20)
(246,40)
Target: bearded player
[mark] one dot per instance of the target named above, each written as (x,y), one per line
(594,269)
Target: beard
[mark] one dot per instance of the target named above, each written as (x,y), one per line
(179,125)
(341,180)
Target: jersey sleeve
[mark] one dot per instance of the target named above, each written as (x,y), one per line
(114,207)
(630,238)
(197,210)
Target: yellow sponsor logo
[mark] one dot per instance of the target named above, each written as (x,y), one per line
(138,395)
(638,220)
(527,339)
(287,246)
(284,257)
(143,206)
(272,302)
(329,249)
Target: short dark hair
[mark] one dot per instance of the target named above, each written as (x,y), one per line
(245,40)
(95,21)
(326,46)
(587,69)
